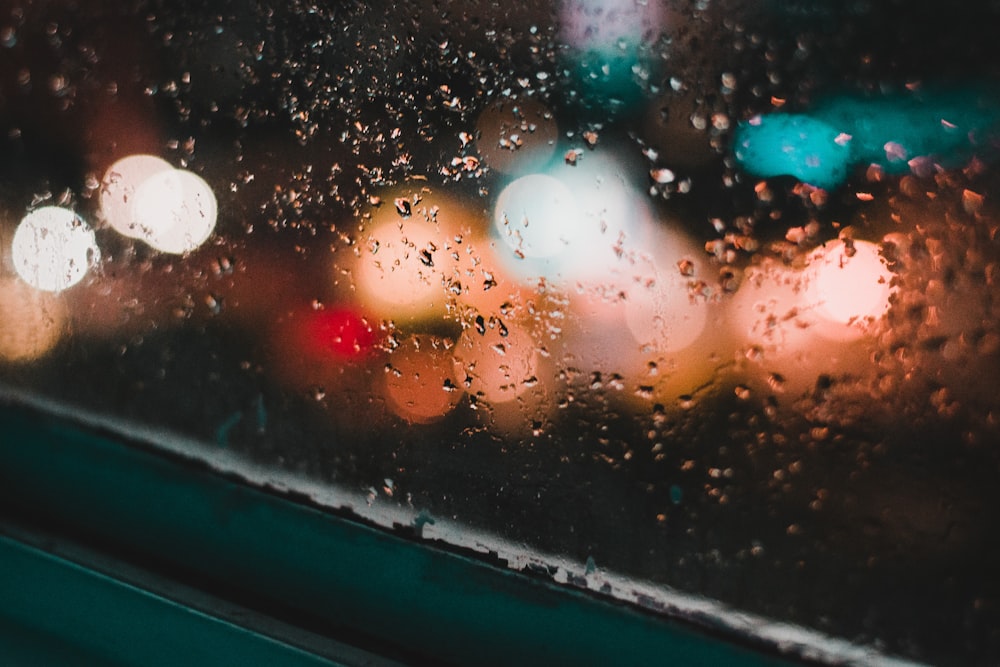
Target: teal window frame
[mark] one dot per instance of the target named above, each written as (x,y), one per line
(352,582)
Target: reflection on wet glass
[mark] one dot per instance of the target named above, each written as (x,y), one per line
(699,293)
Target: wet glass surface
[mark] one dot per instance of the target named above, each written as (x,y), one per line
(697,294)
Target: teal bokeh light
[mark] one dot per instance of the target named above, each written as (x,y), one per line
(890,131)
(821,147)
(606,78)
(793,145)
(608,48)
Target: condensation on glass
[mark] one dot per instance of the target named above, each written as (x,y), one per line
(698,293)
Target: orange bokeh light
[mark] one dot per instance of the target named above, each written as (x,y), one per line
(413,254)
(418,379)
(498,362)
(31,321)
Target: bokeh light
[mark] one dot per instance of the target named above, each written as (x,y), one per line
(340,333)
(609,26)
(568,224)
(497,363)
(172,210)
(488,289)
(798,322)
(414,253)
(32,322)
(793,145)
(418,379)
(773,322)
(893,130)
(673,311)
(176,211)
(664,307)
(851,286)
(118,189)
(327,351)
(770,309)
(537,216)
(607,41)
(53,248)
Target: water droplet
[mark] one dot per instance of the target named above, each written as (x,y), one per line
(8,37)
(214,303)
(819,433)
(644,391)
(972,202)
(662,175)
(595,381)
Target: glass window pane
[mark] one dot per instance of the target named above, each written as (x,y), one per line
(673,300)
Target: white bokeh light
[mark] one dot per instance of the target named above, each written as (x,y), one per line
(839,294)
(537,216)
(172,210)
(662,309)
(851,288)
(176,210)
(570,223)
(813,318)
(53,248)
(118,189)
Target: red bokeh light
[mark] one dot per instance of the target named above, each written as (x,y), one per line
(337,334)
